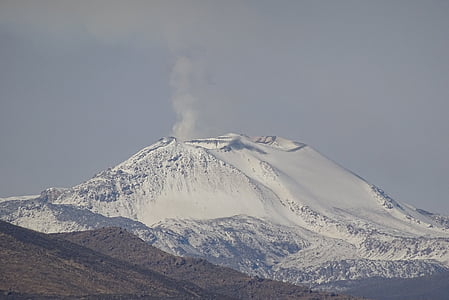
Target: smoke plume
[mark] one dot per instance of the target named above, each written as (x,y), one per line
(183,101)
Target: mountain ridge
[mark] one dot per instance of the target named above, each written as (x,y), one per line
(266,206)
(35,263)
(110,263)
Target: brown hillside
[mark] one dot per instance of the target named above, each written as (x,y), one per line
(122,245)
(38,264)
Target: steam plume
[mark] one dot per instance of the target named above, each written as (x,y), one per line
(183,101)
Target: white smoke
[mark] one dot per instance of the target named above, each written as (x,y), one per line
(183,101)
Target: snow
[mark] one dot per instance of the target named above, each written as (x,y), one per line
(19,198)
(307,178)
(267,206)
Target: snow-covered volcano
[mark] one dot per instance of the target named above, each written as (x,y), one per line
(264,205)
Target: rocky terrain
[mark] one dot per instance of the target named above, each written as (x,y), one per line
(110,263)
(265,206)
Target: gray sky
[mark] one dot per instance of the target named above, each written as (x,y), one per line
(85,84)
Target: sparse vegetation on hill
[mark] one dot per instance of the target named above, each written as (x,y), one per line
(111,263)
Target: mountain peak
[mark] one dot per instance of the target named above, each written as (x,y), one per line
(235,174)
(270,200)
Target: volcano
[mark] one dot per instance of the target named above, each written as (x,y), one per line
(267,206)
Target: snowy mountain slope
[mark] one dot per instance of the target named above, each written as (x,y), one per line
(267,206)
(171,179)
(15,198)
(50,218)
(287,253)
(162,180)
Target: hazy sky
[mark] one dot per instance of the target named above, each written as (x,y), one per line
(85,84)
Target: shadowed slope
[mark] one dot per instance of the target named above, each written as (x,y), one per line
(38,264)
(122,245)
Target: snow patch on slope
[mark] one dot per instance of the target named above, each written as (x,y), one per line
(19,198)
